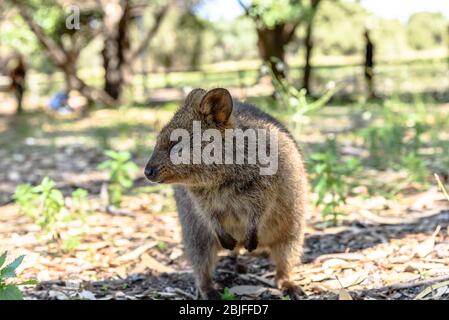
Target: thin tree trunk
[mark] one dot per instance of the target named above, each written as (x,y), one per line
(307,65)
(309,47)
(116,44)
(271,47)
(272,42)
(117,58)
(369,65)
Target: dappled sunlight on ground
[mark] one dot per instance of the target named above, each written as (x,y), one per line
(384,247)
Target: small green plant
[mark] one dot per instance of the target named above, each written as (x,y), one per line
(11,291)
(385,144)
(162,246)
(26,199)
(395,142)
(330,174)
(44,203)
(51,202)
(228,295)
(71,243)
(294,100)
(120,169)
(80,203)
(416,167)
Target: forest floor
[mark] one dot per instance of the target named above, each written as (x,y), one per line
(384,247)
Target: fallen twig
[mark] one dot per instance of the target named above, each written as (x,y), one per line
(119,212)
(442,187)
(429,289)
(186,294)
(254,277)
(407,285)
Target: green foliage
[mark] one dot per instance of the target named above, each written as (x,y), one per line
(426,30)
(230,40)
(43,203)
(120,169)
(51,204)
(384,143)
(330,180)
(270,13)
(80,203)
(71,243)
(228,295)
(10,291)
(51,16)
(396,140)
(296,102)
(26,198)
(334,21)
(162,246)
(416,166)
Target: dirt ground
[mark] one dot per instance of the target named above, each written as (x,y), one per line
(120,258)
(383,249)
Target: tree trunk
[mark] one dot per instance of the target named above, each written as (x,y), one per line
(117,58)
(369,65)
(307,66)
(116,45)
(308,41)
(271,45)
(60,58)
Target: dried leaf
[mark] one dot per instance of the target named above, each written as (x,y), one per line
(426,247)
(429,289)
(87,295)
(151,263)
(57,295)
(247,290)
(136,253)
(345,282)
(344,295)
(332,263)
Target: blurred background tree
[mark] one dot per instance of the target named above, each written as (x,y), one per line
(120,44)
(426,30)
(276,23)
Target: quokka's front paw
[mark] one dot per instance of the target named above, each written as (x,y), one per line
(251,242)
(227,241)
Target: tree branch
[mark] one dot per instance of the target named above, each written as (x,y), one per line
(60,57)
(56,53)
(245,8)
(159,17)
(289,31)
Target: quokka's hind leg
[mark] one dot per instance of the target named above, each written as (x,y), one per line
(286,256)
(200,245)
(201,248)
(203,263)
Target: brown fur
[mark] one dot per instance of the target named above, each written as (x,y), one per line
(228,206)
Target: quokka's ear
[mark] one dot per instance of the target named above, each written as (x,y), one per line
(194,97)
(217,103)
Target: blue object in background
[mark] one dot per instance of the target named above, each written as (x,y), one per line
(59,100)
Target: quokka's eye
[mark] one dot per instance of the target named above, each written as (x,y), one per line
(177,148)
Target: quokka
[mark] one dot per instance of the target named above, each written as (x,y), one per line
(230,206)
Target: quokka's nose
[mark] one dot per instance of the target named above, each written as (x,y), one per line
(150,172)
